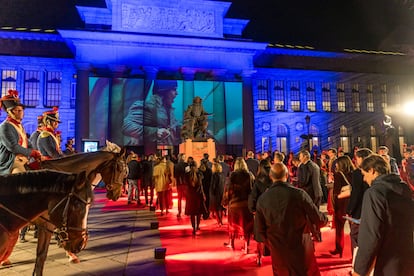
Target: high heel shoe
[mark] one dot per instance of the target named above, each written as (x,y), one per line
(336,252)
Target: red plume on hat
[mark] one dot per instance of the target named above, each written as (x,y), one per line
(10,101)
(51,115)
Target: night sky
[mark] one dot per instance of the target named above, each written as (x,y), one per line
(325,25)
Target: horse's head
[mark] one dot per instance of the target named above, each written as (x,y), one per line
(113,174)
(69,215)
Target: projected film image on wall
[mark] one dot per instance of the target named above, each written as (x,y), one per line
(132,112)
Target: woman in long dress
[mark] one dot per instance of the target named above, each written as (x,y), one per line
(216,192)
(240,218)
(194,206)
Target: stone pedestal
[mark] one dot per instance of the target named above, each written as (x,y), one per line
(197,148)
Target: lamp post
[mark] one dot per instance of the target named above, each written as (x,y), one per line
(307,120)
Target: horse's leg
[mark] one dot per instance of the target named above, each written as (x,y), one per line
(43,241)
(8,241)
(72,257)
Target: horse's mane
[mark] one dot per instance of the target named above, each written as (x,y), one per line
(40,181)
(77,162)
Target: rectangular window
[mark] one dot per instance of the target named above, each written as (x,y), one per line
(356,105)
(326,96)
(384,97)
(340,94)
(311,96)
(53,89)
(295,95)
(73,95)
(279,94)
(370,98)
(8,81)
(31,88)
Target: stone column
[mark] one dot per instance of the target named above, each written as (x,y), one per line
(82,105)
(248,114)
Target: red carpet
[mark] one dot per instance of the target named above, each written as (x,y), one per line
(205,254)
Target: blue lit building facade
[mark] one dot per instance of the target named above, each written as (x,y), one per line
(261,96)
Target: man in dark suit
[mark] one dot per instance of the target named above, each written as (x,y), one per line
(283,214)
(252,164)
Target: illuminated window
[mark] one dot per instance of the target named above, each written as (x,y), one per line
(356,104)
(384,97)
(279,94)
(281,138)
(343,133)
(313,130)
(8,81)
(262,95)
(374,139)
(311,96)
(370,98)
(31,88)
(73,95)
(340,92)
(53,89)
(326,96)
(295,96)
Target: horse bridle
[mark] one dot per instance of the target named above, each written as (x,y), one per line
(62,232)
(115,169)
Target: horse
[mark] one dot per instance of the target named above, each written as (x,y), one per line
(25,196)
(109,163)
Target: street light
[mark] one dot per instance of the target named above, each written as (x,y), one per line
(307,120)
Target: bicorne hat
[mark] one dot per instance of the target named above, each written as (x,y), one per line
(51,115)
(10,101)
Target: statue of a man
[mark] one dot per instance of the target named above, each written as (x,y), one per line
(195,121)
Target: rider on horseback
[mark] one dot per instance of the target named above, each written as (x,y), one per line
(15,149)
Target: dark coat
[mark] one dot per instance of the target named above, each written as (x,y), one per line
(240,219)
(134,169)
(308,180)
(282,215)
(253,165)
(195,196)
(359,186)
(179,172)
(216,191)
(386,230)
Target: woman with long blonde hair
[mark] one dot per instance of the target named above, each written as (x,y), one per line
(240,218)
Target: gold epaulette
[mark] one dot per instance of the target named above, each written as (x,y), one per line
(44,134)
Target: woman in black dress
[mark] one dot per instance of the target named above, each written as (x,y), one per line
(216,192)
(194,206)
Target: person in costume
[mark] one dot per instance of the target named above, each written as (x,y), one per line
(15,148)
(48,141)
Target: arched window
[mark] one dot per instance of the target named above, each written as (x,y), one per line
(281,138)
(343,133)
(314,131)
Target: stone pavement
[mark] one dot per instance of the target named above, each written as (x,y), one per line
(121,242)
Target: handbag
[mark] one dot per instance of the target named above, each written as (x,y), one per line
(345,190)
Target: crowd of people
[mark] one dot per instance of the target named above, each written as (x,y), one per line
(266,197)
(276,201)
